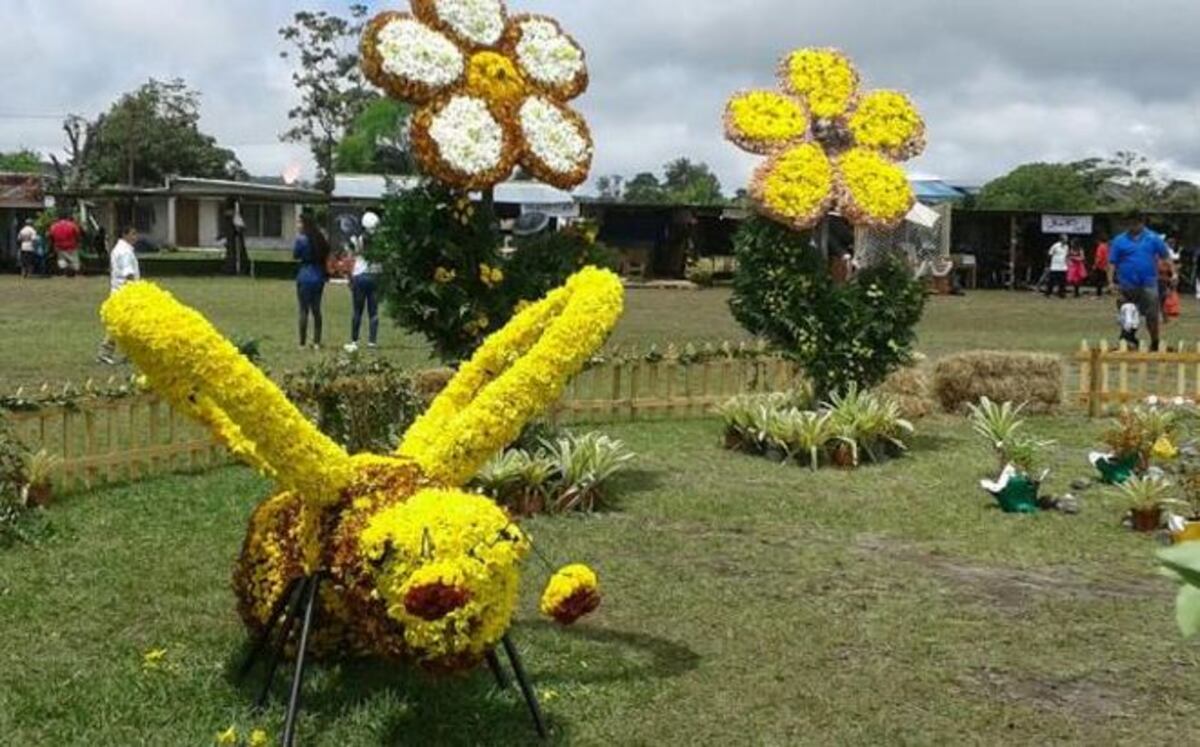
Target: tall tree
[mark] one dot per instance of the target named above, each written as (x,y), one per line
(377,142)
(22,161)
(644,188)
(692,183)
(1040,186)
(147,135)
(1140,186)
(333,93)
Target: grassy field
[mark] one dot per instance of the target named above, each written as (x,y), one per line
(50,328)
(745,604)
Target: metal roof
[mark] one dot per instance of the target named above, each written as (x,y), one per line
(372,187)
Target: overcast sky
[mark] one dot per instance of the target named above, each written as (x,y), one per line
(1000,82)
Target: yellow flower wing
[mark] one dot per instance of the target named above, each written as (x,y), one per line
(189,363)
(824,78)
(516,375)
(764,122)
(872,190)
(887,121)
(795,187)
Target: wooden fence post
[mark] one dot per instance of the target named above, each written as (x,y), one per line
(1095,402)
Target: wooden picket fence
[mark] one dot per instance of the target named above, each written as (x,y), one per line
(1107,376)
(102,441)
(105,440)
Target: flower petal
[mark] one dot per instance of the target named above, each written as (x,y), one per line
(887,121)
(764,121)
(549,56)
(473,23)
(825,78)
(558,146)
(795,187)
(409,60)
(463,142)
(872,191)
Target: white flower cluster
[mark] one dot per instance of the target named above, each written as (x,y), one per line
(481,21)
(552,137)
(468,137)
(411,50)
(547,55)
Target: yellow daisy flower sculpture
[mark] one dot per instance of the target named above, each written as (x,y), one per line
(417,568)
(492,90)
(828,145)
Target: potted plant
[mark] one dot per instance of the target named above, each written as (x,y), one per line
(997,424)
(1140,433)
(39,474)
(1146,497)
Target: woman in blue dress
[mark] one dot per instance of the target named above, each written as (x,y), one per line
(311,250)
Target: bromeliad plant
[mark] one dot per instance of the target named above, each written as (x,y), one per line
(566,473)
(1001,427)
(785,427)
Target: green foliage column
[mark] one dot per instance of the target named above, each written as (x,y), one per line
(854,333)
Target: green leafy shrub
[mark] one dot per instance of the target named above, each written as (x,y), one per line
(446,277)
(565,473)
(1183,563)
(853,333)
(1001,427)
(365,404)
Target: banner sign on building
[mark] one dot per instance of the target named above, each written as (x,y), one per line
(1080,225)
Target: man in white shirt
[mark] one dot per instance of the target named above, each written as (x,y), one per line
(123,268)
(27,238)
(1058,267)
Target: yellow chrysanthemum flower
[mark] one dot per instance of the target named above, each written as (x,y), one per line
(227,737)
(259,738)
(828,146)
(571,593)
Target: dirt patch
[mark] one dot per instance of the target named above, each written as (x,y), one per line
(1010,589)
(1082,698)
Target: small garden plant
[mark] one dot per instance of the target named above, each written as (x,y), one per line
(843,431)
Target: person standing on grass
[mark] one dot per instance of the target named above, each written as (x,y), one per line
(1133,264)
(1100,266)
(1077,271)
(27,239)
(311,250)
(1058,268)
(122,268)
(364,285)
(65,236)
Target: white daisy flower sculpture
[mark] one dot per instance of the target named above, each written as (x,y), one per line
(492,91)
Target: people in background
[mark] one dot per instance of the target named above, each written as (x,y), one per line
(1058,268)
(122,268)
(27,239)
(65,236)
(1129,319)
(1077,270)
(1100,265)
(1168,279)
(1133,267)
(364,285)
(311,250)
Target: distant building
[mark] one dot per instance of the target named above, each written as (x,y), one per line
(194,213)
(21,196)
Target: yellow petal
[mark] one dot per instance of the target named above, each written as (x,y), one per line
(872,190)
(764,121)
(796,186)
(824,77)
(887,121)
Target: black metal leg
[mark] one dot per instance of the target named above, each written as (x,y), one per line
(261,642)
(310,611)
(285,632)
(493,662)
(527,690)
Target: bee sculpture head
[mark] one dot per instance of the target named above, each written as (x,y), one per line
(420,569)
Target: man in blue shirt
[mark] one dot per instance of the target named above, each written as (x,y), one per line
(1133,258)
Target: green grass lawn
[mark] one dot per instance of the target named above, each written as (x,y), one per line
(50,328)
(745,604)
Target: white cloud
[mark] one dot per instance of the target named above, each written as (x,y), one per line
(1000,82)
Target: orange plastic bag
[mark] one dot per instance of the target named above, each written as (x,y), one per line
(1171,307)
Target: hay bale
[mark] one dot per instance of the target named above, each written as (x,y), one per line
(1033,378)
(911,389)
(430,382)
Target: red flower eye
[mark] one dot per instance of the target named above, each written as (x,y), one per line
(434,601)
